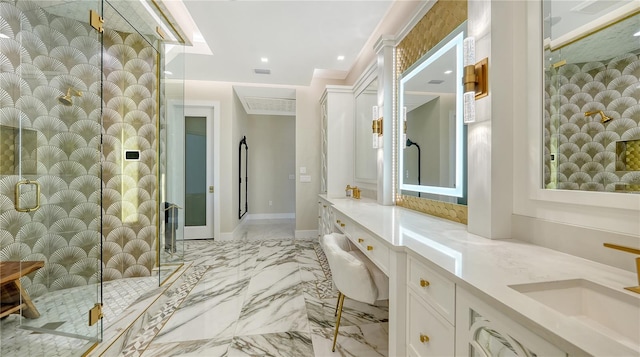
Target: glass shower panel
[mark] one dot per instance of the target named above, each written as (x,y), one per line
(50,112)
(135,38)
(171,252)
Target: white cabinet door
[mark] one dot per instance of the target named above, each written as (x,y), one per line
(429,333)
(482,330)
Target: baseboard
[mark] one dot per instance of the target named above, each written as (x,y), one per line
(300,234)
(254,216)
(575,240)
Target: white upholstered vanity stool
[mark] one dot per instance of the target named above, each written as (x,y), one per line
(353,274)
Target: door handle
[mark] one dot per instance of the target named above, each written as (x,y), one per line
(210,189)
(17,196)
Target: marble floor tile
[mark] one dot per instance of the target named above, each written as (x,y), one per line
(272,344)
(194,348)
(321,313)
(357,341)
(210,311)
(274,303)
(267,294)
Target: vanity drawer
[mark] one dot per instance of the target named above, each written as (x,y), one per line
(428,333)
(437,290)
(340,222)
(377,251)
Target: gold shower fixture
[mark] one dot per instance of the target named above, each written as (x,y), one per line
(603,117)
(67,98)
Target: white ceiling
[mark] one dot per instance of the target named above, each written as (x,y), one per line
(299,38)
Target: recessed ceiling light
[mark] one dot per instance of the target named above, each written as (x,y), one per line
(340,58)
(168,72)
(264,59)
(636,34)
(448,72)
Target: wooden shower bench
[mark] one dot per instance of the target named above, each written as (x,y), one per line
(13,298)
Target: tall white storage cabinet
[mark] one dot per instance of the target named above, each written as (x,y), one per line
(337,142)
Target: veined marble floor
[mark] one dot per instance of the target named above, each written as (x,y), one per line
(266,294)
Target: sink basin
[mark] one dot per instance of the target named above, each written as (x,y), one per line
(610,312)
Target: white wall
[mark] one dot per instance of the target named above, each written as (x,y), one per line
(240,124)
(308,155)
(220,91)
(271,141)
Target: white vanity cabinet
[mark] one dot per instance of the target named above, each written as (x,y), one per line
(325,217)
(337,106)
(482,330)
(373,247)
(430,311)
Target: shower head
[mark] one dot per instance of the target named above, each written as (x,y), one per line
(603,117)
(67,98)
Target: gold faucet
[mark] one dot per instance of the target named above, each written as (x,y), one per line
(603,118)
(635,289)
(355,190)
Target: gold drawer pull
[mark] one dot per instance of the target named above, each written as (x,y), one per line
(424,283)
(369,247)
(325,206)
(424,338)
(337,221)
(342,224)
(360,240)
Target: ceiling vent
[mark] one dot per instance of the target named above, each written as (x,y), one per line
(262,71)
(279,105)
(436,81)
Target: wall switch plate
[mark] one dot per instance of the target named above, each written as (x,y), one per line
(303,169)
(292,177)
(305,178)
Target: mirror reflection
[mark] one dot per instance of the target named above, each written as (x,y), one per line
(365,162)
(431,150)
(591,114)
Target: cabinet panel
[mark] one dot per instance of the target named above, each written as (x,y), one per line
(376,250)
(482,330)
(337,105)
(433,287)
(429,334)
(370,245)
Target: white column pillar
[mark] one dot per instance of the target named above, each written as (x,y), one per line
(385,49)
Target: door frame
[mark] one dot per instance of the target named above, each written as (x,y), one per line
(179,109)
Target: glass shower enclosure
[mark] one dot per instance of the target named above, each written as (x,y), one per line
(81,85)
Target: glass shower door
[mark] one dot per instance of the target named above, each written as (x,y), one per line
(50,187)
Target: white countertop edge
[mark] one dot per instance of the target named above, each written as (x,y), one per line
(498,264)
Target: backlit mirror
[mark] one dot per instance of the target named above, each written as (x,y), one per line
(431,131)
(365,156)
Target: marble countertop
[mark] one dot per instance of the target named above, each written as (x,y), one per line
(490,266)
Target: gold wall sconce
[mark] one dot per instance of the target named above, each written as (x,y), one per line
(376,127)
(475,79)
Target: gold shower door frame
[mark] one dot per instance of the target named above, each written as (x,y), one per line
(50,171)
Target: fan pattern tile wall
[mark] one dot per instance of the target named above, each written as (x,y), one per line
(43,56)
(584,148)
